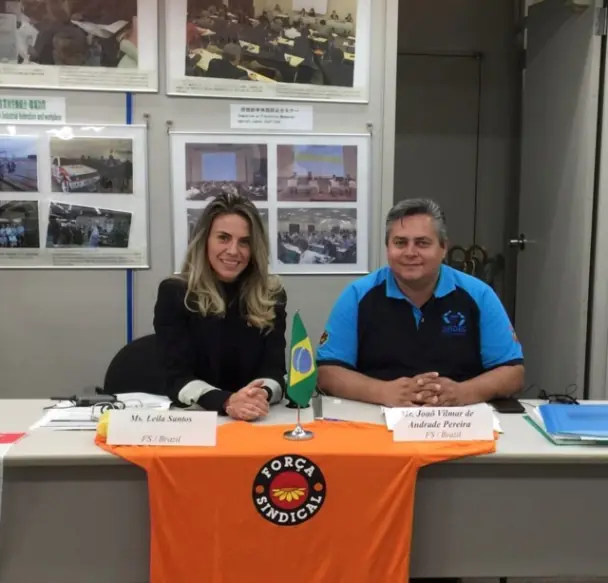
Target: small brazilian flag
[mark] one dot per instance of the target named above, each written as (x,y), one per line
(302,370)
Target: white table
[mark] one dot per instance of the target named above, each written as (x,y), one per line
(73,513)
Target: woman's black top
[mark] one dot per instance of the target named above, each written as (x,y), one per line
(223,351)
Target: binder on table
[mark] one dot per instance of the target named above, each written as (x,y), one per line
(535,418)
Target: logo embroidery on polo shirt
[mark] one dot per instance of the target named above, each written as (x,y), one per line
(289,490)
(454,323)
(324,338)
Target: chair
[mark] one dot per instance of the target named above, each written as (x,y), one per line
(136,368)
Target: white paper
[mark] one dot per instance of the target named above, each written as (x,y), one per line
(154,428)
(31,109)
(276,116)
(445,424)
(392,415)
(101,30)
(65,417)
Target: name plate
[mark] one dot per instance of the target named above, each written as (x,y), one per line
(173,428)
(445,424)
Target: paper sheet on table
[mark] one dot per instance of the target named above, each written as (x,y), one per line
(65,417)
(392,415)
(101,30)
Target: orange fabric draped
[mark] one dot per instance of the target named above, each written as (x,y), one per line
(260,508)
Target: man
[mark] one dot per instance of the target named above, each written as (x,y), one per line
(418,332)
(228,66)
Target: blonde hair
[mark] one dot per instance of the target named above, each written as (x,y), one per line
(259,291)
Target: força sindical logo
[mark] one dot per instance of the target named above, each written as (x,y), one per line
(289,490)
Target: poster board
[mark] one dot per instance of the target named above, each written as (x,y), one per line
(109,46)
(73,196)
(272,55)
(311,190)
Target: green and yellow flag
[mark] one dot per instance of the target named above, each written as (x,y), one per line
(302,369)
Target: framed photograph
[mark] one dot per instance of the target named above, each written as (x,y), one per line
(89,208)
(93,165)
(304,50)
(317,173)
(76,226)
(316,202)
(18,164)
(103,45)
(215,168)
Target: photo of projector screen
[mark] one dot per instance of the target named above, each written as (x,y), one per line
(317,173)
(213,169)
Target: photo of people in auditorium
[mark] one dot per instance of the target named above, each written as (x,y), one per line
(85,33)
(317,236)
(258,40)
(317,173)
(83,226)
(213,169)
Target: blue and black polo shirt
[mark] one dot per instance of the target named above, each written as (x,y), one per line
(461,332)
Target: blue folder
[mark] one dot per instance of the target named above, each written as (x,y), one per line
(582,420)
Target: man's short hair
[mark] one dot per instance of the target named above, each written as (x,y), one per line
(417,206)
(231,52)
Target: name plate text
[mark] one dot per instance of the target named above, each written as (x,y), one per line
(172,428)
(445,424)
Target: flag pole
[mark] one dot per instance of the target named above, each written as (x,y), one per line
(298,433)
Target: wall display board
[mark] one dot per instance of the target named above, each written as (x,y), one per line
(73,196)
(312,191)
(269,53)
(105,45)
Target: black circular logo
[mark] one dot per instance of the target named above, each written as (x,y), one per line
(289,490)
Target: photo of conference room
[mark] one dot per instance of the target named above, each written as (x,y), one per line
(262,42)
(195,214)
(85,33)
(317,173)
(212,169)
(317,236)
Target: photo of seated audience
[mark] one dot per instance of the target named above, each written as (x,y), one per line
(317,173)
(213,169)
(84,33)
(317,236)
(19,225)
(195,214)
(85,226)
(99,165)
(258,40)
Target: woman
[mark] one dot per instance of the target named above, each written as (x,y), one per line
(221,323)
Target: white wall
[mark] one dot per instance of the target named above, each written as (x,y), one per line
(65,326)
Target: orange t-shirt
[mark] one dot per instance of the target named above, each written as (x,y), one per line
(260,508)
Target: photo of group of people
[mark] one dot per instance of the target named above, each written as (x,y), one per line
(73,33)
(100,165)
(317,236)
(67,189)
(84,226)
(311,193)
(239,168)
(320,45)
(19,226)
(18,164)
(317,173)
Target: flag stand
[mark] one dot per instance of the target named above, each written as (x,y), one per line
(298,433)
